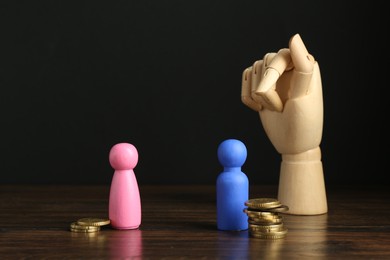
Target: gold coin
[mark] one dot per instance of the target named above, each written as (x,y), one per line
(83,230)
(270,235)
(263,203)
(260,218)
(282,208)
(74,225)
(93,222)
(267,221)
(259,214)
(266,228)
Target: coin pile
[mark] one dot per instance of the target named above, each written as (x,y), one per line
(264,219)
(88,225)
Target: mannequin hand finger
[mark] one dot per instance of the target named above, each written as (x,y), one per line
(246,90)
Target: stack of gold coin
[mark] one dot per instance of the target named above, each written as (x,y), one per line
(264,219)
(88,225)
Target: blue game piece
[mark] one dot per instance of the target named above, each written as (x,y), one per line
(232,186)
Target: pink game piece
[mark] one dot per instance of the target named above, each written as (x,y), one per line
(124,202)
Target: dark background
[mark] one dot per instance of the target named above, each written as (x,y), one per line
(79,77)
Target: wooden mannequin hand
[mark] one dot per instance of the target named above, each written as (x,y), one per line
(286,89)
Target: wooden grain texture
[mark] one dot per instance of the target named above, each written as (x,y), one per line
(179,222)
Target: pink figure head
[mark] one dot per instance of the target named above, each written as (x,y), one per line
(123,156)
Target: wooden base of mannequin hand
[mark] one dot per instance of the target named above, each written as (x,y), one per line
(301,183)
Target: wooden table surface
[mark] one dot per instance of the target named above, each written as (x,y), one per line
(179,222)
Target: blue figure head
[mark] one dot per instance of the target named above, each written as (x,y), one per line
(232,153)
